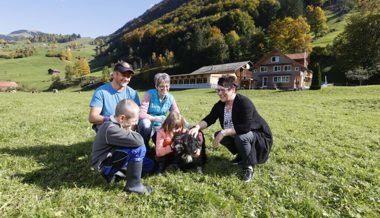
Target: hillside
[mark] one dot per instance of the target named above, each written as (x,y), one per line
(336,23)
(31,72)
(198,33)
(20,35)
(150,15)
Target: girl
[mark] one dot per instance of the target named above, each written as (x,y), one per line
(173,124)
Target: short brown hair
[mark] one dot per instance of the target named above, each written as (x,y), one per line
(173,121)
(227,81)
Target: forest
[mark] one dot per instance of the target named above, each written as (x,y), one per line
(206,32)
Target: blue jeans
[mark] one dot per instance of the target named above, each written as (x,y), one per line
(117,161)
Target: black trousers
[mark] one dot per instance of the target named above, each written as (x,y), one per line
(246,145)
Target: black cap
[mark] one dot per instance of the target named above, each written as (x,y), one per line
(123,67)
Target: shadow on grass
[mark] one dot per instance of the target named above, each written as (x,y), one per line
(68,166)
(61,165)
(219,166)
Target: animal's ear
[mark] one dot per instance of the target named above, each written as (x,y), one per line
(200,138)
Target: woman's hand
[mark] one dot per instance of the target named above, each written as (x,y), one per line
(217,139)
(194,131)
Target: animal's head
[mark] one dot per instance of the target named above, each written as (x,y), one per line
(185,146)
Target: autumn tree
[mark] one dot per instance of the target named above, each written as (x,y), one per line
(317,19)
(169,57)
(217,50)
(232,40)
(82,67)
(290,35)
(66,55)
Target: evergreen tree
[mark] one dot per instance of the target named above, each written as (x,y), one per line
(316,81)
(290,8)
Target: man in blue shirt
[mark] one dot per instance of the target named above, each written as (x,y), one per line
(106,97)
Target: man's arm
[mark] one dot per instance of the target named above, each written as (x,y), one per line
(94,116)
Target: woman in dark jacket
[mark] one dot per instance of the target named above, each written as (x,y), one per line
(244,132)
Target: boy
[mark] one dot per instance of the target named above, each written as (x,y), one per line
(118,151)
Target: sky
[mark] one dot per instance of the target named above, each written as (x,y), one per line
(89,18)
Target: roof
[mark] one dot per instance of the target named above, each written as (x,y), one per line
(267,55)
(296,56)
(218,68)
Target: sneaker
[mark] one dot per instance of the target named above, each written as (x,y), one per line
(237,160)
(247,175)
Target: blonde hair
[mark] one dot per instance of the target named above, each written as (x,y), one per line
(173,121)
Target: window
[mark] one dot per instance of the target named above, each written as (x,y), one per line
(275,59)
(281,79)
(192,81)
(276,68)
(263,69)
(204,80)
(174,81)
(199,80)
(297,69)
(186,81)
(287,68)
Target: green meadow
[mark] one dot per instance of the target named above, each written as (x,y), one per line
(336,24)
(32,72)
(324,162)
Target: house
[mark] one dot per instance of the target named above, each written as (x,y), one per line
(207,76)
(53,72)
(7,85)
(279,71)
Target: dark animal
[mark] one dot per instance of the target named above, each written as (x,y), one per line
(184,145)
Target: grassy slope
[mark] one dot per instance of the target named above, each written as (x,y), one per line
(334,22)
(32,71)
(324,161)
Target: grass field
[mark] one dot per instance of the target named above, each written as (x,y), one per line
(336,24)
(324,162)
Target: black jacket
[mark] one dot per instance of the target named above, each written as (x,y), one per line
(245,118)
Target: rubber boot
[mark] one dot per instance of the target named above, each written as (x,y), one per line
(134,179)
